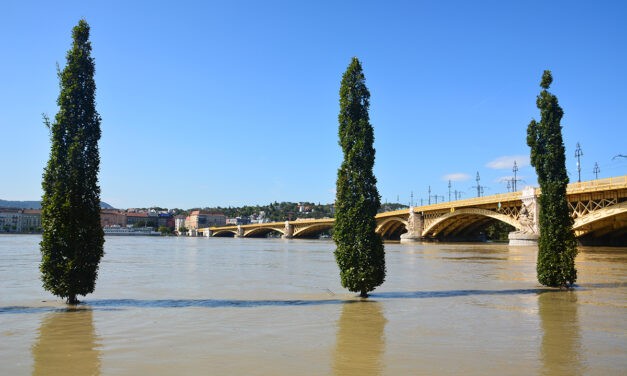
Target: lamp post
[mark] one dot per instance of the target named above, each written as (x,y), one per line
(478,179)
(578,154)
(515,169)
(596,170)
(449,190)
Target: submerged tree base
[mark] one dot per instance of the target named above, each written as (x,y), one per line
(72,300)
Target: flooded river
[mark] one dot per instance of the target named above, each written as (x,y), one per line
(198,306)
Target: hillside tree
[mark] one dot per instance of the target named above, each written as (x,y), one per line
(359,254)
(73,240)
(557,248)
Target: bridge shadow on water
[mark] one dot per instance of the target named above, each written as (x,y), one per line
(120,304)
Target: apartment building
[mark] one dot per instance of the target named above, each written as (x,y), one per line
(20,220)
(200,218)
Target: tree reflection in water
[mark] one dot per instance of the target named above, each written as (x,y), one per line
(360,342)
(67,344)
(561,350)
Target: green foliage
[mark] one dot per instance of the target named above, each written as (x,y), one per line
(498,231)
(360,254)
(73,239)
(277,212)
(165,230)
(556,246)
(392,206)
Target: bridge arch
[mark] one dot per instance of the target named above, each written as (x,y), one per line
(311,230)
(465,220)
(224,233)
(602,221)
(391,227)
(260,232)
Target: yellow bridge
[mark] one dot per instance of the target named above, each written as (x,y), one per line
(598,207)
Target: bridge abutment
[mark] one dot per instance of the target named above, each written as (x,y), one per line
(522,238)
(415,226)
(528,218)
(289,231)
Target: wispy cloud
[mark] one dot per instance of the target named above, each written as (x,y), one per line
(520,180)
(503,179)
(507,162)
(459,176)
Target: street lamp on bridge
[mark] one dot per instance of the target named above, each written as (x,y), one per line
(578,154)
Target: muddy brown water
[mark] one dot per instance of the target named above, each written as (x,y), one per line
(198,306)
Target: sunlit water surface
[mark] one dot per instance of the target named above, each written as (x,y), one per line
(191,306)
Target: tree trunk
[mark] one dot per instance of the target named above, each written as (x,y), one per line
(72,300)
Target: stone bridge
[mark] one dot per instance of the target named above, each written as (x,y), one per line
(598,207)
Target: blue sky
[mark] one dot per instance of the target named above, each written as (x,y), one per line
(208,103)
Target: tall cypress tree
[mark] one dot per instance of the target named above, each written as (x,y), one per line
(557,248)
(73,239)
(359,253)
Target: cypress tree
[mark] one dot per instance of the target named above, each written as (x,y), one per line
(359,253)
(557,248)
(73,239)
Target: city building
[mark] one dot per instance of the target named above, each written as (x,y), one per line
(141,219)
(200,218)
(10,220)
(20,220)
(241,221)
(112,217)
(165,220)
(179,222)
(31,220)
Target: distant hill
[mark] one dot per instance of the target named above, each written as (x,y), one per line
(36,204)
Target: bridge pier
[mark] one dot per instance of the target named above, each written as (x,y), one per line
(289,231)
(415,226)
(528,218)
(240,232)
(522,238)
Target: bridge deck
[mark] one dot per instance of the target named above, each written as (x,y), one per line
(574,190)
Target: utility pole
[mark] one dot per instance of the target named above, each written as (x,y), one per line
(435,196)
(509,186)
(578,154)
(438,196)
(515,169)
(449,190)
(458,194)
(596,170)
(478,186)
(412,199)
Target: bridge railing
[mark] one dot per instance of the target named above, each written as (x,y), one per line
(597,185)
(500,197)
